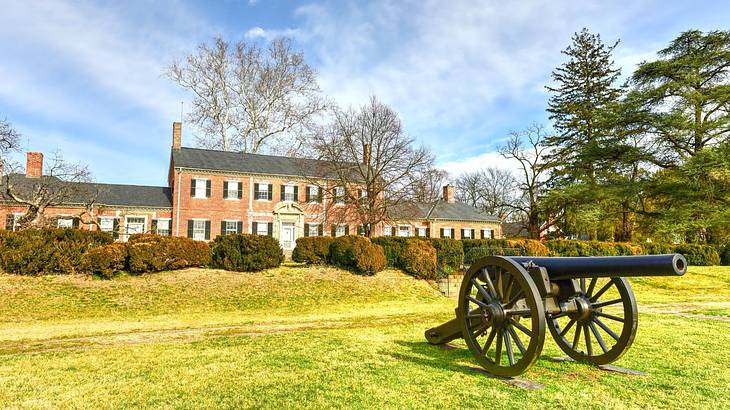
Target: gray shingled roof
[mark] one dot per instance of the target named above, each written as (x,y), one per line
(107,194)
(197,158)
(441,210)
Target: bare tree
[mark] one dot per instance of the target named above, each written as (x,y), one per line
(9,138)
(491,190)
(528,148)
(62,183)
(246,98)
(428,188)
(372,165)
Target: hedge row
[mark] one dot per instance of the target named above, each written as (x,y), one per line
(246,253)
(355,253)
(417,256)
(48,251)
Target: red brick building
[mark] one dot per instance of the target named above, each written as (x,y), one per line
(212,193)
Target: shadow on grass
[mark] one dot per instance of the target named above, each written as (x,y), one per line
(443,357)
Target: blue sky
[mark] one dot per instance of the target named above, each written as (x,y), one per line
(85,77)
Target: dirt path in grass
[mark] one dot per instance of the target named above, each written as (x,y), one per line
(193,334)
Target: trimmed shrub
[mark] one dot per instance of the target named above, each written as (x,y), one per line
(725,255)
(393,248)
(48,251)
(529,247)
(419,259)
(246,253)
(314,250)
(449,253)
(155,253)
(358,254)
(699,255)
(106,260)
(654,248)
(484,243)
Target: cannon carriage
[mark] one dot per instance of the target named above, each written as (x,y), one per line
(505,304)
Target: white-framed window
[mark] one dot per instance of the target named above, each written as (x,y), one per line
(404,231)
(448,233)
(387,230)
(230,227)
(340,195)
(135,224)
(262,228)
(467,234)
(263,192)
(363,194)
(106,224)
(289,194)
(163,227)
(487,233)
(200,188)
(312,194)
(340,230)
(422,232)
(232,189)
(11,221)
(65,222)
(312,229)
(199,229)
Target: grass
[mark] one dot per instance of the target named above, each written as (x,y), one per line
(320,337)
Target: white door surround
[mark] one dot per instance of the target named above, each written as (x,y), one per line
(287,235)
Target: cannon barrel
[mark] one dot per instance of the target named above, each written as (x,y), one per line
(608,266)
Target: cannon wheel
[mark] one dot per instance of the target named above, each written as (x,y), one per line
(502,316)
(605,324)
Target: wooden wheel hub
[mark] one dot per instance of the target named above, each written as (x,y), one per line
(494,314)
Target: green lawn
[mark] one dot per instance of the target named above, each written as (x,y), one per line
(319,337)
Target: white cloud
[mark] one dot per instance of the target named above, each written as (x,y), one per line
(258,32)
(490,159)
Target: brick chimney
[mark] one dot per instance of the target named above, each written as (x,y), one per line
(176,135)
(34,164)
(449,194)
(367,152)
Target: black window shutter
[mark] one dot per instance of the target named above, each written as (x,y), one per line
(441,232)
(461,233)
(153,227)
(306,195)
(320,230)
(255,228)
(296,193)
(359,193)
(115,229)
(306,230)
(271,192)
(347,229)
(9,221)
(482,235)
(491,233)
(393,231)
(223,228)
(283,192)
(428,232)
(270,229)
(319,195)
(239,227)
(207,230)
(190,228)
(240,190)
(255,191)
(207,188)
(453,233)
(225,189)
(334,230)
(192,187)
(361,230)
(75,223)
(473,233)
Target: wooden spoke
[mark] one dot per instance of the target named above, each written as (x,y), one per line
(576,338)
(587,335)
(519,295)
(474,314)
(607,316)
(477,301)
(482,291)
(521,327)
(519,312)
(490,285)
(600,292)
(567,327)
(583,285)
(605,328)
(500,285)
(598,336)
(517,340)
(508,291)
(498,357)
(508,347)
(559,315)
(607,303)
(480,331)
(591,286)
(488,343)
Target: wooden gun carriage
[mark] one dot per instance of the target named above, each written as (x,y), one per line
(587,304)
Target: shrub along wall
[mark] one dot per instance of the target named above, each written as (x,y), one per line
(449,253)
(314,250)
(48,251)
(358,254)
(155,253)
(246,253)
(419,259)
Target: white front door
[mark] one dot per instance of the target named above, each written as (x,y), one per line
(286,237)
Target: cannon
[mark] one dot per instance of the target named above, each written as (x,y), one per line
(587,304)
